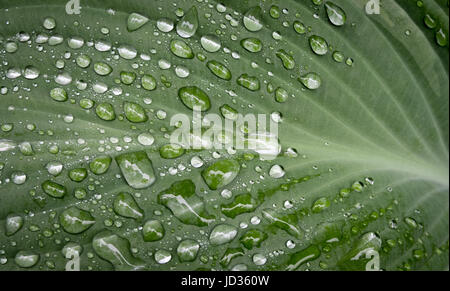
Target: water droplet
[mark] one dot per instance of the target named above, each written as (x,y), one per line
(319,45)
(219,70)
(78,175)
(259,259)
(277,172)
(441,37)
(103,69)
(31,73)
(18,177)
(299,27)
(320,205)
(193,96)
(229,255)
(356,259)
(153,230)
(222,234)
(54,189)
(134,112)
(252,45)
(180,198)
(148,82)
(49,23)
(187,250)
(162,257)
(275,12)
(165,24)
(171,151)
(249,82)
(244,203)
(26,259)
(13,224)
(71,249)
(221,173)
(252,19)
(253,239)
(336,14)
(429,21)
(338,57)
(136,21)
(75,42)
(137,169)
(182,72)
(281,95)
(302,257)
(127,52)
(181,49)
(11,47)
(288,223)
(211,43)
(287,60)
(125,205)
(116,250)
(75,220)
(197,162)
(105,111)
(13,73)
(311,81)
(187,26)
(146,139)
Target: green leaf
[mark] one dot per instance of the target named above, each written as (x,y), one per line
(87,164)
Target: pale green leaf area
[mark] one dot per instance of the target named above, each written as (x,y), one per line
(86,164)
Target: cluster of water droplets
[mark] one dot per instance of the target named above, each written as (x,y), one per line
(138,158)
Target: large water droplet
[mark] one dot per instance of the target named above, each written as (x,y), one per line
(311,81)
(153,230)
(105,111)
(181,49)
(187,250)
(253,238)
(136,21)
(336,14)
(221,173)
(187,26)
(125,205)
(137,169)
(253,45)
(100,165)
(134,112)
(54,189)
(219,70)
(117,251)
(287,59)
(171,151)
(244,203)
(75,220)
(249,82)
(222,234)
(211,43)
(180,198)
(252,19)
(319,45)
(302,257)
(193,96)
(26,259)
(13,224)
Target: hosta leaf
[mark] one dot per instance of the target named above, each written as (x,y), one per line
(87,165)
